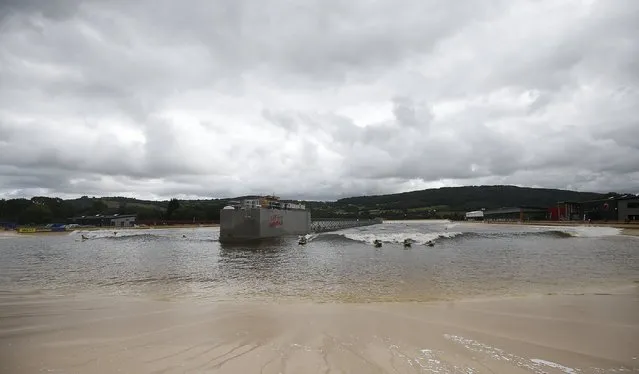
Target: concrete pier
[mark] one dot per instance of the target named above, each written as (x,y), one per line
(334,224)
(238,225)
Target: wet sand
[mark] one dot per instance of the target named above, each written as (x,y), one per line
(585,333)
(630,232)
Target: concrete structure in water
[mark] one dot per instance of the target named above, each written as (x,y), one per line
(262,218)
(268,217)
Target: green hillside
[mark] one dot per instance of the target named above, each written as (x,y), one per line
(473,198)
(453,202)
(448,202)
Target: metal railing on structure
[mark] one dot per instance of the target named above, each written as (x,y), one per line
(334,224)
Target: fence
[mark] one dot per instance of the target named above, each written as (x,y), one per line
(328,224)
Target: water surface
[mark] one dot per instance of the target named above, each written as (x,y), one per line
(468,260)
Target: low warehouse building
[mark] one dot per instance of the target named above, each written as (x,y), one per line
(516,214)
(629,209)
(116,220)
(566,211)
(625,208)
(125,220)
(476,215)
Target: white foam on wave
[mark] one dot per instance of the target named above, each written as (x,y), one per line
(585,231)
(196,232)
(399,237)
(418,221)
(555,365)
(535,365)
(310,237)
(98,234)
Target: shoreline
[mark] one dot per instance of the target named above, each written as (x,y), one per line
(588,333)
(15,233)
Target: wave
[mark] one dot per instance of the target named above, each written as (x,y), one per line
(418,221)
(423,238)
(143,236)
(398,237)
(547,233)
(586,231)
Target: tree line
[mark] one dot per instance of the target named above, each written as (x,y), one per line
(43,210)
(449,203)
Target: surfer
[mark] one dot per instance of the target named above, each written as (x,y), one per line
(377,243)
(407,242)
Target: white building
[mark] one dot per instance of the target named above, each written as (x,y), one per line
(294,206)
(475,215)
(251,203)
(125,220)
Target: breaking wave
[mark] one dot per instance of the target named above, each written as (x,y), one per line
(585,231)
(397,237)
(423,238)
(146,235)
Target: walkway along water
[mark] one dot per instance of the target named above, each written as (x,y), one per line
(329,224)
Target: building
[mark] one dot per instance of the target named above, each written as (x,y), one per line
(115,220)
(251,203)
(272,202)
(516,214)
(295,206)
(476,215)
(621,208)
(629,209)
(624,208)
(124,220)
(566,211)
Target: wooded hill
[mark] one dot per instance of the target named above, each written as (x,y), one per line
(453,202)
(448,202)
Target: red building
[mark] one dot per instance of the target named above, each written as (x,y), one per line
(566,211)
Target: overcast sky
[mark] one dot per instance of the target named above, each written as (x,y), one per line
(316,99)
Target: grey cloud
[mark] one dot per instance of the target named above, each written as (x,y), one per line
(53,9)
(324,100)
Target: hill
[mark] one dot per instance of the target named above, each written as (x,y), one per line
(450,202)
(474,197)
(447,202)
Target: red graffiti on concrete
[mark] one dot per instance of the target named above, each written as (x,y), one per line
(275,221)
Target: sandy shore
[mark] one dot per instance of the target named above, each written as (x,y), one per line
(592,333)
(12,233)
(631,232)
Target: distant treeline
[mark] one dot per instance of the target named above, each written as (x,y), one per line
(41,210)
(449,202)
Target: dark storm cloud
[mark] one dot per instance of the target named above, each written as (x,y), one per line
(323,99)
